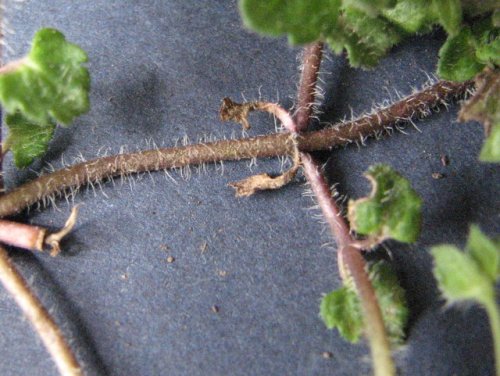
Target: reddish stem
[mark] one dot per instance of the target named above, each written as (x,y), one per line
(311,62)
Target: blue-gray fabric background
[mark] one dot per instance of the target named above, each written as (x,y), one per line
(159,71)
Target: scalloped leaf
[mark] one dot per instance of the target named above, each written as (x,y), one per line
(27,140)
(392,300)
(50,84)
(411,15)
(341,308)
(303,21)
(366,38)
(457,57)
(393,209)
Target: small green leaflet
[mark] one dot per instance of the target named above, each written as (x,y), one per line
(391,211)
(50,85)
(469,275)
(341,308)
(27,140)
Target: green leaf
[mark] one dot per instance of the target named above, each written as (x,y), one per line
(303,21)
(488,50)
(341,309)
(485,252)
(392,300)
(473,8)
(368,38)
(50,84)
(457,57)
(412,15)
(370,7)
(483,107)
(449,13)
(391,211)
(490,151)
(471,276)
(27,140)
(459,276)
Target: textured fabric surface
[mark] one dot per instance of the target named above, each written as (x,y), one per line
(159,71)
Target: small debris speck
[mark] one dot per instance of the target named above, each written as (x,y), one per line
(445,161)
(437,175)
(327,355)
(203,247)
(170,259)
(215,309)
(164,247)
(221,273)
(124,276)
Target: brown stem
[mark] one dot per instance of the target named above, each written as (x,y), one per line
(329,208)
(43,323)
(352,264)
(350,261)
(305,95)
(415,105)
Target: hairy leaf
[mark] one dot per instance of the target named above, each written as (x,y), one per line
(391,211)
(469,275)
(50,84)
(392,300)
(449,14)
(368,29)
(368,38)
(350,25)
(303,21)
(27,140)
(459,276)
(412,15)
(370,7)
(485,252)
(341,308)
(457,57)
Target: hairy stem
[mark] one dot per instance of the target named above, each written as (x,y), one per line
(305,95)
(43,323)
(372,315)
(350,261)
(415,105)
(352,264)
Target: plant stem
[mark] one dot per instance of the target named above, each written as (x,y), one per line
(415,105)
(494,317)
(311,62)
(43,323)
(350,257)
